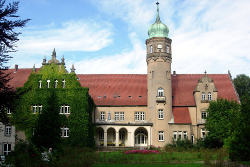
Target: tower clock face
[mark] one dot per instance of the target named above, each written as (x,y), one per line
(159,46)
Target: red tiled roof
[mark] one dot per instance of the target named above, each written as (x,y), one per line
(135,85)
(181,115)
(119,85)
(183,86)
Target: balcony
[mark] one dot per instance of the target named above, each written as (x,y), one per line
(201,121)
(160,99)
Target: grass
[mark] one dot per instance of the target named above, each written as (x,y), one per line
(148,165)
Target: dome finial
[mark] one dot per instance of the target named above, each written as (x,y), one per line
(158,16)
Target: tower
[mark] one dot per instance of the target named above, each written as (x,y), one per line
(159,59)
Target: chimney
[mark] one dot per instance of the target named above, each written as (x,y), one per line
(16,67)
(174,73)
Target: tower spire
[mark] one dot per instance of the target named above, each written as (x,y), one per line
(158,15)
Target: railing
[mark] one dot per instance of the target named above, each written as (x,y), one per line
(160,98)
(123,122)
(201,121)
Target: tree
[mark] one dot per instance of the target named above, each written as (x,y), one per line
(221,120)
(239,145)
(8,38)
(242,84)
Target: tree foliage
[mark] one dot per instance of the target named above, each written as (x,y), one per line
(222,119)
(242,84)
(8,38)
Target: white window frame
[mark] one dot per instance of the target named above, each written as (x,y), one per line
(63,83)
(137,116)
(102,116)
(185,135)
(34,109)
(151,49)
(175,135)
(160,92)
(203,96)
(7,130)
(6,148)
(116,116)
(48,81)
(209,96)
(119,116)
(161,136)
(40,83)
(180,135)
(56,83)
(203,133)
(160,114)
(65,132)
(37,108)
(142,117)
(65,109)
(122,116)
(203,115)
(8,111)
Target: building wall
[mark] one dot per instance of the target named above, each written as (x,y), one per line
(9,139)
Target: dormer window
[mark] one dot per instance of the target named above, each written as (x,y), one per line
(63,82)
(209,96)
(48,81)
(56,81)
(203,96)
(40,83)
(151,49)
(160,92)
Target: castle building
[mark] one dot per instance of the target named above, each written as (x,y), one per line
(139,110)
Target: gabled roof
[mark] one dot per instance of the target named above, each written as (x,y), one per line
(118,87)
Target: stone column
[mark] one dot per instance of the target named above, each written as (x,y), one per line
(117,139)
(105,139)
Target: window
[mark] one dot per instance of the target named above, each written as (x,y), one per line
(175,135)
(151,49)
(48,81)
(185,135)
(40,83)
(56,81)
(161,136)
(167,49)
(8,111)
(65,109)
(203,96)
(119,116)
(160,92)
(203,115)
(122,135)
(192,139)
(209,96)
(160,114)
(180,135)
(102,118)
(6,148)
(139,116)
(101,135)
(203,133)
(159,46)
(63,82)
(7,130)
(65,132)
(37,108)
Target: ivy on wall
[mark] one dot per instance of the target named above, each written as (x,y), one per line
(79,121)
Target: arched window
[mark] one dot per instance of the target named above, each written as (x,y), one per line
(160,92)
(151,49)
(63,82)
(48,81)
(167,49)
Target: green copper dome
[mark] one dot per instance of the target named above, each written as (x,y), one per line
(158,29)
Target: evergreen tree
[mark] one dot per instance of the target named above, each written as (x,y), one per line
(8,37)
(47,133)
(242,84)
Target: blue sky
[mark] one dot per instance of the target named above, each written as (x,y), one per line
(108,36)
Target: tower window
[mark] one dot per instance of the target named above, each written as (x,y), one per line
(151,49)
(160,114)
(203,115)
(159,46)
(160,92)
(167,49)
